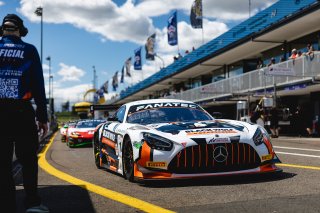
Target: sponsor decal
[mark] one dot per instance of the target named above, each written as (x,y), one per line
(210,131)
(156,164)
(137,144)
(159,105)
(220,154)
(218,140)
(109,135)
(267,157)
(200,124)
(11,53)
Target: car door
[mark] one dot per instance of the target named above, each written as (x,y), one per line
(111,140)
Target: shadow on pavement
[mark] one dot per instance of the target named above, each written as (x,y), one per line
(60,199)
(222,180)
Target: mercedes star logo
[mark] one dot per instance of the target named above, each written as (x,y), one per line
(220,154)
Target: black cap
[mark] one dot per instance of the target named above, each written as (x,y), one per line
(13,18)
(17,21)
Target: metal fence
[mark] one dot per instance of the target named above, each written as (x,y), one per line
(298,70)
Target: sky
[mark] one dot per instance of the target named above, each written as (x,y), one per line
(81,36)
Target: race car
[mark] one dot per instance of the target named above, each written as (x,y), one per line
(81,134)
(172,139)
(65,129)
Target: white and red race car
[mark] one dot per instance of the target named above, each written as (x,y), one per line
(81,133)
(172,139)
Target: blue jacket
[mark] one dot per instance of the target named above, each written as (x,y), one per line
(21,74)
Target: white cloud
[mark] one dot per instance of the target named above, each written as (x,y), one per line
(72,94)
(70,73)
(1,3)
(103,17)
(130,22)
(153,8)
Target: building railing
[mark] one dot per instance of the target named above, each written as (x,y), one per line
(301,69)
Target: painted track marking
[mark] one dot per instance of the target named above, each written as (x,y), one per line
(116,196)
(298,154)
(298,166)
(294,148)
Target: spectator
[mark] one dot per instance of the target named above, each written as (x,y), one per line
(106,114)
(294,54)
(272,61)
(260,120)
(310,52)
(309,49)
(260,64)
(299,122)
(274,123)
(256,114)
(299,53)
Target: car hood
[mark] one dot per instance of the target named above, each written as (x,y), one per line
(85,129)
(200,128)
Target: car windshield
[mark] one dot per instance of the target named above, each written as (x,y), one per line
(167,115)
(89,124)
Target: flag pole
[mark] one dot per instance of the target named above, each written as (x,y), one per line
(202,34)
(177,33)
(202,22)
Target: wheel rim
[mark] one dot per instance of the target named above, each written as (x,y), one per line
(128,160)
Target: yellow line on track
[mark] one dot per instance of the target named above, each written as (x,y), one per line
(299,166)
(116,196)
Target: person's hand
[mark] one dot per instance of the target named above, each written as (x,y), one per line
(43,129)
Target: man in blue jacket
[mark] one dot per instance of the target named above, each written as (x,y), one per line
(21,80)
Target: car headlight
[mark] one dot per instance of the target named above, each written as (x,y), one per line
(75,134)
(157,142)
(258,137)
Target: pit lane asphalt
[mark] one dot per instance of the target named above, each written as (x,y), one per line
(296,189)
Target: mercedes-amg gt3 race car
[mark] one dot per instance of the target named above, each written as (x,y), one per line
(172,139)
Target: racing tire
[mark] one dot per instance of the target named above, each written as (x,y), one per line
(96,151)
(127,160)
(68,144)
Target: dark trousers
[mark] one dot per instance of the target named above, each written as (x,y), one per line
(18,133)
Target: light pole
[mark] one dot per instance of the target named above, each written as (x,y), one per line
(39,12)
(161,61)
(50,84)
(49,60)
(94,77)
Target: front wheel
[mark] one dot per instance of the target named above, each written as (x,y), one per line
(127,160)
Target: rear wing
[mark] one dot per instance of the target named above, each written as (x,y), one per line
(103,111)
